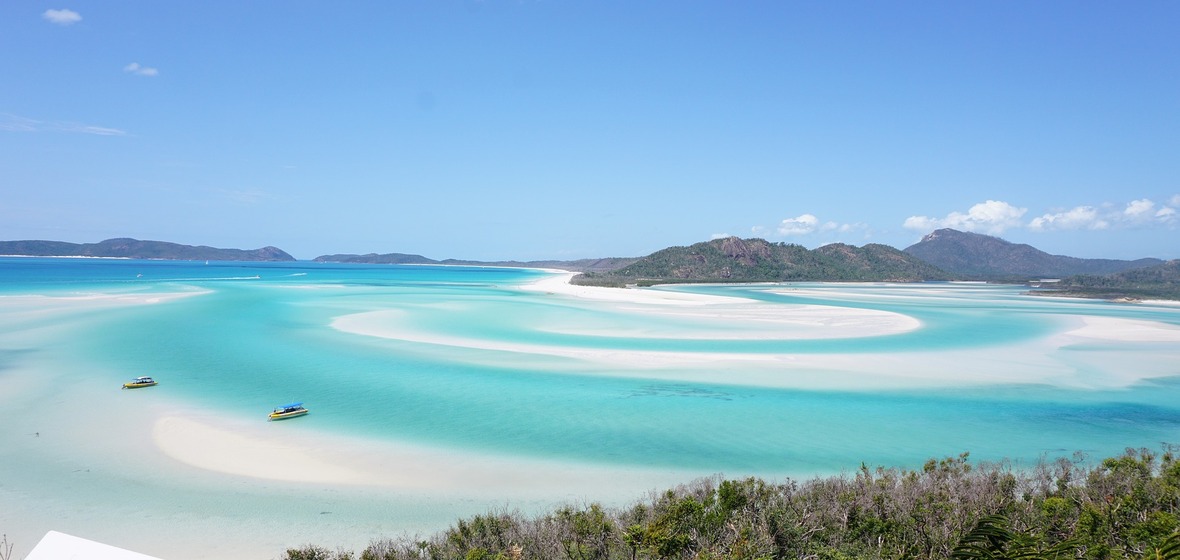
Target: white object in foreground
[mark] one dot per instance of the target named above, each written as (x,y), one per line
(60,546)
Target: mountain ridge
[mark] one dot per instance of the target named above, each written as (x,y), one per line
(944,254)
(128,248)
(984,257)
(733,259)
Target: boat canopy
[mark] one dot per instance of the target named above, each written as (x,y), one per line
(291,405)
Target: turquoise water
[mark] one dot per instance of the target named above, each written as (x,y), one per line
(259,335)
(466,361)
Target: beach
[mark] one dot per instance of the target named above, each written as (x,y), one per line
(162,476)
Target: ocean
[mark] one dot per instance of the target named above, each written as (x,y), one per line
(532,397)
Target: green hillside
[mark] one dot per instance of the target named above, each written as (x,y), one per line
(756,260)
(128,248)
(1154,282)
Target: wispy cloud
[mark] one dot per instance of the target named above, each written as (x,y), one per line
(90,129)
(995,217)
(1147,212)
(1143,212)
(138,70)
(62,17)
(805,224)
(992,217)
(1081,217)
(16,123)
(800,225)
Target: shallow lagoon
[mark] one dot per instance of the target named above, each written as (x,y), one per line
(448,391)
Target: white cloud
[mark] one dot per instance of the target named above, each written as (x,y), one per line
(1139,210)
(992,217)
(920,223)
(1166,215)
(62,17)
(801,225)
(16,123)
(1081,217)
(135,68)
(806,224)
(720,236)
(90,129)
(1145,212)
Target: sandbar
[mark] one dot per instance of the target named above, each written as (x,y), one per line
(266,451)
(713,317)
(1125,330)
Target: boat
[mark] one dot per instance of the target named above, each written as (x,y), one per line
(289,410)
(142,381)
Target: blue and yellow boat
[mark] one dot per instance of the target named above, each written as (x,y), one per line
(143,381)
(289,410)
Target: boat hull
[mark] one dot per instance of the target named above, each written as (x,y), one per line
(286,415)
(139,385)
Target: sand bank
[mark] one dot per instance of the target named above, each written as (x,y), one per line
(711,317)
(559,283)
(284,452)
(686,316)
(1125,330)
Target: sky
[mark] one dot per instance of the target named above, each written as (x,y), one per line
(560,129)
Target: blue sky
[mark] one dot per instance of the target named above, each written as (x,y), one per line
(560,129)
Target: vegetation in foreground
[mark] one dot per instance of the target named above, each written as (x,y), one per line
(1123,507)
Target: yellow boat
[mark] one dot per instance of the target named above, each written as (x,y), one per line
(290,410)
(138,382)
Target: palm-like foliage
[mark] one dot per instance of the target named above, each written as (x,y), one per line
(993,539)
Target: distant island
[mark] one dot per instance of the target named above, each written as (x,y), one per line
(1161,281)
(756,260)
(580,265)
(973,256)
(942,255)
(128,248)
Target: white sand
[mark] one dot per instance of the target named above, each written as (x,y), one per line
(1125,330)
(703,316)
(289,453)
(722,317)
(693,316)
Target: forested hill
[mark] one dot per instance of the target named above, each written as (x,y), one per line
(983,257)
(137,249)
(756,260)
(1161,281)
